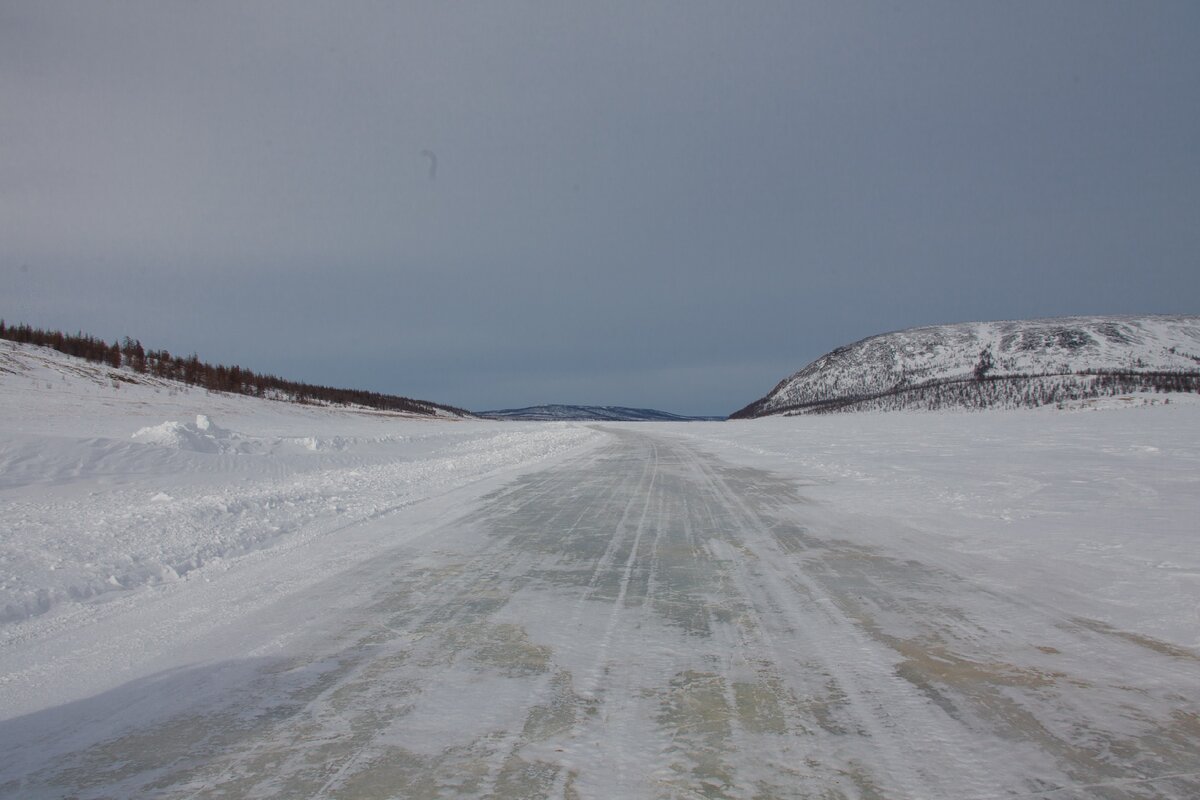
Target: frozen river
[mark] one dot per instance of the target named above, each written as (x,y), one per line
(642,619)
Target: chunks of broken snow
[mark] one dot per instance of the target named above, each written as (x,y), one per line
(201,436)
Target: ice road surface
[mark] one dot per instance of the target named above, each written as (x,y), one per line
(882,606)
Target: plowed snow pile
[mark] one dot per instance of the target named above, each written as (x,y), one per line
(201,436)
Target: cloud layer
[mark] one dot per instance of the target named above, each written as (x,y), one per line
(506,204)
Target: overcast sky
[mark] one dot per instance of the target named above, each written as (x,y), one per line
(670,205)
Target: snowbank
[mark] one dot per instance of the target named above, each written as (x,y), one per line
(94,500)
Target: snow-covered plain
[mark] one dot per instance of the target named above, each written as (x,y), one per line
(1096,509)
(214,596)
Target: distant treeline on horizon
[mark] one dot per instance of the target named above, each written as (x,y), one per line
(192,371)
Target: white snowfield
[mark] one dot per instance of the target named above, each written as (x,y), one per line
(313,603)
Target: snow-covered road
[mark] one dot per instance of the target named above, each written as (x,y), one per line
(640,619)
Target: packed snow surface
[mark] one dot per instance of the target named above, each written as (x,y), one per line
(1058,346)
(925,606)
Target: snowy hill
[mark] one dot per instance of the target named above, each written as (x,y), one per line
(588,414)
(160,368)
(995,364)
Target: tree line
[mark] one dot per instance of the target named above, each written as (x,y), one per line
(131,354)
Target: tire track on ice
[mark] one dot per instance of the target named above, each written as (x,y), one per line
(864,673)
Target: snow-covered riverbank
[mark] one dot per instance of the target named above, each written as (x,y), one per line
(108,486)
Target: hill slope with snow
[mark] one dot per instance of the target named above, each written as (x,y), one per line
(990,364)
(142,366)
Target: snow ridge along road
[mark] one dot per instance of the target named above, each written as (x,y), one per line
(640,620)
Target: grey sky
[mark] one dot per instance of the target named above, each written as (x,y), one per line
(670,205)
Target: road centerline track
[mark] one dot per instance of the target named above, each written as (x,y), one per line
(646,621)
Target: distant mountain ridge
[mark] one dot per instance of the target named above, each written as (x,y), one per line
(549,413)
(1016,363)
